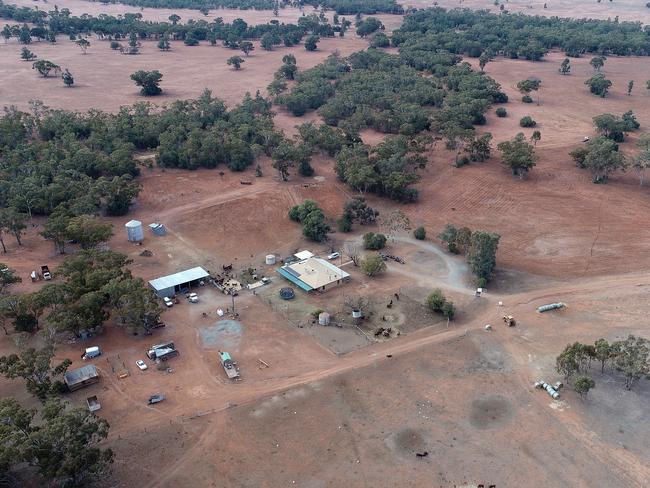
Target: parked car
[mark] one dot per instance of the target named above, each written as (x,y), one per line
(168,302)
(334,255)
(157,398)
(91,352)
(193,298)
(141,364)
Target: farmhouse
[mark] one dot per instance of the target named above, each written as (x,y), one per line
(168,286)
(313,273)
(84,376)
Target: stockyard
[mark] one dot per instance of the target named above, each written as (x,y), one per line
(349,379)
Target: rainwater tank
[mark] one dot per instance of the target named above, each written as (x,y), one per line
(356,314)
(134,231)
(270,259)
(323,318)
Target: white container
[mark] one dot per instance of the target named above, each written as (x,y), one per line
(134,231)
(270,259)
(323,318)
(356,314)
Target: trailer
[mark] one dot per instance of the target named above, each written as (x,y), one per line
(93,403)
(163,354)
(229,366)
(151,353)
(45,272)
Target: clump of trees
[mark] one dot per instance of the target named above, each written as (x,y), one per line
(601,157)
(630,357)
(527,121)
(235,62)
(148,81)
(614,127)
(518,155)
(312,218)
(437,302)
(374,241)
(356,210)
(479,247)
(289,154)
(599,85)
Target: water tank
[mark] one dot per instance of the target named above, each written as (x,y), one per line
(356,314)
(287,293)
(270,259)
(158,229)
(323,318)
(134,231)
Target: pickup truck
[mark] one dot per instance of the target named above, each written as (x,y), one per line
(45,271)
(157,398)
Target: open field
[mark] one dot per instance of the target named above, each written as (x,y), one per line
(338,406)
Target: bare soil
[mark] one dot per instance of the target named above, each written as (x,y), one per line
(336,408)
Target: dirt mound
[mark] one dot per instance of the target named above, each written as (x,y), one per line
(491,411)
(407,442)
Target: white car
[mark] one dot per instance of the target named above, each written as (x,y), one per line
(168,302)
(334,255)
(193,298)
(141,364)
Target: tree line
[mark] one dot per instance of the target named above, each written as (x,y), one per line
(465,31)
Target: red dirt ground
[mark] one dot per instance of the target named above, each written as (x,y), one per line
(314,419)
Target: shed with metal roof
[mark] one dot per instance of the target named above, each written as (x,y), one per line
(168,286)
(78,378)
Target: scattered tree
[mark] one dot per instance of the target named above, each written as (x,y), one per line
(44,67)
(148,81)
(483,60)
(536,137)
(597,62)
(27,55)
(311,43)
(630,85)
(164,44)
(632,358)
(582,385)
(527,121)
(481,255)
(246,47)
(373,265)
(312,219)
(527,86)
(68,79)
(89,231)
(374,241)
(235,62)
(600,156)
(83,44)
(599,85)
(565,67)
(501,112)
(420,233)
(518,155)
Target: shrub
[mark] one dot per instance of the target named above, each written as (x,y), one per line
(527,121)
(374,241)
(436,300)
(449,310)
(501,112)
(527,99)
(373,265)
(420,233)
(115,45)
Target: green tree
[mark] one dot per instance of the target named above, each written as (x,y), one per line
(599,85)
(527,121)
(311,43)
(565,67)
(55,228)
(289,154)
(603,352)
(518,155)
(527,86)
(312,219)
(632,358)
(641,161)
(13,222)
(6,33)
(436,300)
(174,19)
(373,265)
(449,310)
(83,44)
(601,157)
(136,306)
(148,81)
(36,368)
(68,79)
(164,44)
(44,67)
(597,62)
(582,385)
(482,253)
(235,62)
(24,35)
(246,47)
(8,277)
(89,231)
(483,60)
(359,211)
(536,137)
(420,233)
(27,55)
(374,241)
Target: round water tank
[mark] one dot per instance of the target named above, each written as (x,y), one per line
(323,318)
(270,259)
(287,293)
(134,231)
(356,314)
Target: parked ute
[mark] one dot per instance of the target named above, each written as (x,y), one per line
(168,302)
(193,298)
(91,352)
(334,255)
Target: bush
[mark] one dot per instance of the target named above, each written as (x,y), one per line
(374,241)
(527,121)
(373,265)
(449,310)
(526,99)
(420,233)
(344,224)
(501,112)
(115,45)
(436,300)
(191,41)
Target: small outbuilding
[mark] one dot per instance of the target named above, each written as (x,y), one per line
(168,286)
(79,378)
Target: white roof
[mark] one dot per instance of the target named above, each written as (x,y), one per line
(304,255)
(179,278)
(317,272)
(133,223)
